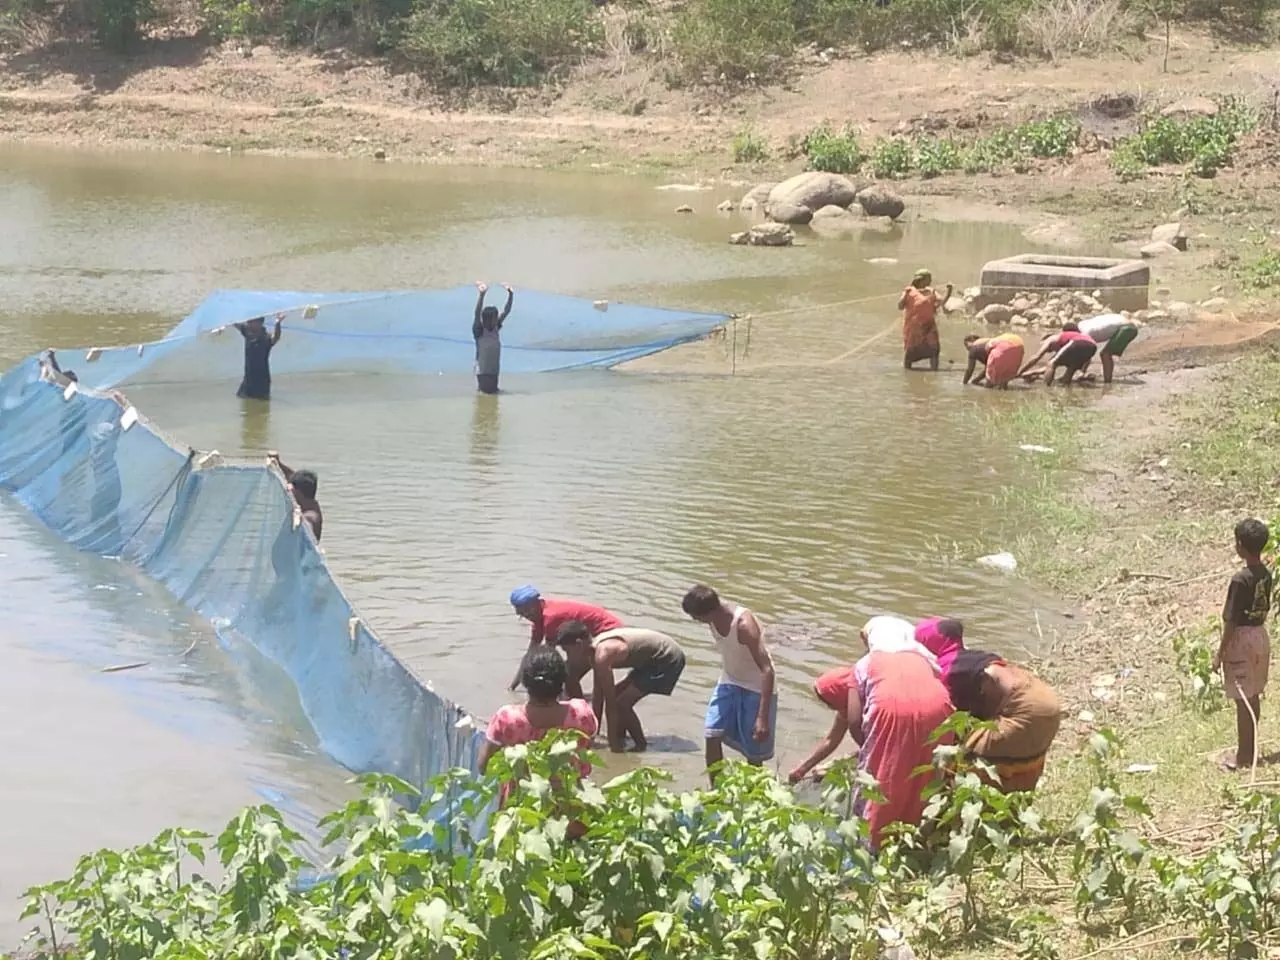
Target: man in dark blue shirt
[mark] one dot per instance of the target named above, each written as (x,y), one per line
(256,384)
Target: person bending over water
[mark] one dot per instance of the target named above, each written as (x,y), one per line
(1113,334)
(548,614)
(1000,358)
(654,660)
(1025,710)
(890,702)
(919,304)
(543,674)
(1072,351)
(944,638)
(743,710)
(256,384)
(487,331)
(302,485)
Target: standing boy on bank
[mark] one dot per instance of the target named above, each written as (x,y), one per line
(1244,656)
(744,708)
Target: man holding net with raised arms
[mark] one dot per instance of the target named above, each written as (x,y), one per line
(258,344)
(487,331)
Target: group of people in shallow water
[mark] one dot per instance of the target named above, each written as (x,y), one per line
(1001,358)
(889,702)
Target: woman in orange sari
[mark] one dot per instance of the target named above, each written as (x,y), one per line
(919,304)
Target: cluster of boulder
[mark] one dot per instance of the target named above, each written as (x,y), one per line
(824,201)
(1050,308)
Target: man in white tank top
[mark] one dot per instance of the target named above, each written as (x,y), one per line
(744,708)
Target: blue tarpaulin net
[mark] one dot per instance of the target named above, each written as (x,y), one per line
(409,331)
(224,538)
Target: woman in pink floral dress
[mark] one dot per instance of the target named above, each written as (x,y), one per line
(543,676)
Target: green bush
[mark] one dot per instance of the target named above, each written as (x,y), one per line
(922,23)
(891,159)
(1206,143)
(117,23)
(469,43)
(936,156)
(734,40)
(232,19)
(832,152)
(749,147)
(1265,271)
(1054,137)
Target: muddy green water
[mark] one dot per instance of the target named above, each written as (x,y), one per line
(816,493)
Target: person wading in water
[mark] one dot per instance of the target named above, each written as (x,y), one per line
(487,330)
(919,304)
(256,384)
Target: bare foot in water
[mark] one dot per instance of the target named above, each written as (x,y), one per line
(640,746)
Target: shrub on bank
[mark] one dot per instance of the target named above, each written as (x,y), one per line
(1207,144)
(514,43)
(732,40)
(1204,144)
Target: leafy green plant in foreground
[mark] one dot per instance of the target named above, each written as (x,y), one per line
(742,870)
(1108,858)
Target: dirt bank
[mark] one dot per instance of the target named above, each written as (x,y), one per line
(619,115)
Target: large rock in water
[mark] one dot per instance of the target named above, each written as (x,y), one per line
(756,196)
(878,201)
(765,235)
(783,212)
(835,219)
(813,191)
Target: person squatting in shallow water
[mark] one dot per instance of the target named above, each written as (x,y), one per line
(258,345)
(1113,334)
(548,614)
(1001,358)
(743,711)
(1244,654)
(1071,349)
(919,304)
(487,331)
(302,486)
(654,662)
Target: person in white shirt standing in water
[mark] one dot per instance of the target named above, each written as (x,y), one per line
(1112,333)
(487,331)
(744,708)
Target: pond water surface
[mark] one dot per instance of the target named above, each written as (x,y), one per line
(818,493)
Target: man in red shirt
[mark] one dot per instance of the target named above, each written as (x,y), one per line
(549,614)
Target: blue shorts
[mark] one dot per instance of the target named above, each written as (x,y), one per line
(731,717)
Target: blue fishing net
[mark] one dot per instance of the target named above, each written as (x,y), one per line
(223,537)
(412,331)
